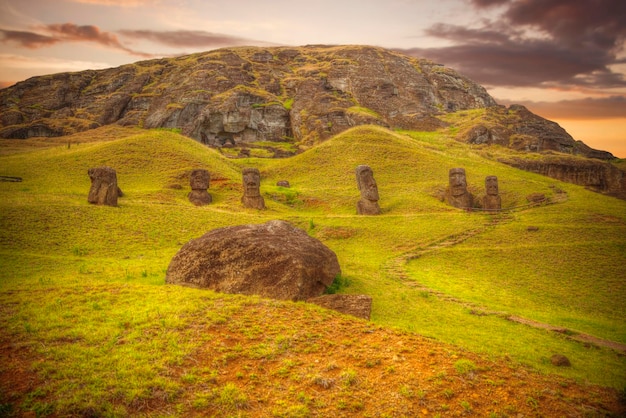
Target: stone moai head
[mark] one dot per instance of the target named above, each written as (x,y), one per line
(368,204)
(252,189)
(492,201)
(251,182)
(199,179)
(457,181)
(104,190)
(366,183)
(491,185)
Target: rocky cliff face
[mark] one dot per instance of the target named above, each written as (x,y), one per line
(242,95)
(596,175)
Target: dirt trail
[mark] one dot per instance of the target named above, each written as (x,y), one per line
(396,268)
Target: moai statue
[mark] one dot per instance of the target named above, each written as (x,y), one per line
(457,194)
(368,204)
(252,189)
(199,182)
(104,190)
(492,200)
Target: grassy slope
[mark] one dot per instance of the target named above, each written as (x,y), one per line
(84,263)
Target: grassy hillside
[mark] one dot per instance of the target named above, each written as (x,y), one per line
(87,320)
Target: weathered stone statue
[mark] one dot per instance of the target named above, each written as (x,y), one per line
(492,200)
(457,194)
(368,204)
(252,189)
(104,190)
(199,181)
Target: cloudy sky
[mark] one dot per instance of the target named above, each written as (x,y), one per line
(564,59)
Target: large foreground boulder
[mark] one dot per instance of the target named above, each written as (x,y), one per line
(273,259)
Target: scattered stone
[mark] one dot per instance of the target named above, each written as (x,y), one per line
(283,183)
(457,194)
(104,190)
(252,189)
(368,204)
(355,305)
(273,259)
(536,198)
(11,179)
(560,360)
(199,181)
(492,201)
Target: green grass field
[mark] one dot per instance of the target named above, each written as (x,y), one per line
(77,279)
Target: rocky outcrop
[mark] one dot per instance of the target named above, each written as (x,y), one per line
(273,259)
(518,128)
(244,95)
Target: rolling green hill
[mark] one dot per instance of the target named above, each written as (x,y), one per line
(85,309)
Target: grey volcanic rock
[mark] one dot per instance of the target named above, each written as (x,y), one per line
(355,305)
(273,260)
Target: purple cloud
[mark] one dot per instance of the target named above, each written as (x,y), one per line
(188,38)
(573,44)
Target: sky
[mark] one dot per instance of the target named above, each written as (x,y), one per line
(563,59)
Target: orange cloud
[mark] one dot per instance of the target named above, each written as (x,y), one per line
(588,108)
(66,32)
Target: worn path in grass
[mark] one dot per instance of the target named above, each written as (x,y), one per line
(396,267)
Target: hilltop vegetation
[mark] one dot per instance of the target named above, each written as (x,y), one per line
(89,328)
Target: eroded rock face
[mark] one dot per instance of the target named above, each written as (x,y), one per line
(273,259)
(597,175)
(368,204)
(355,305)
(199,180)
(104,189)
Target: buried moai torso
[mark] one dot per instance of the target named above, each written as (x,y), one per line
(199,181)
(457,194)
(252,189)
(104,190)
(492,200)
(368,204)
